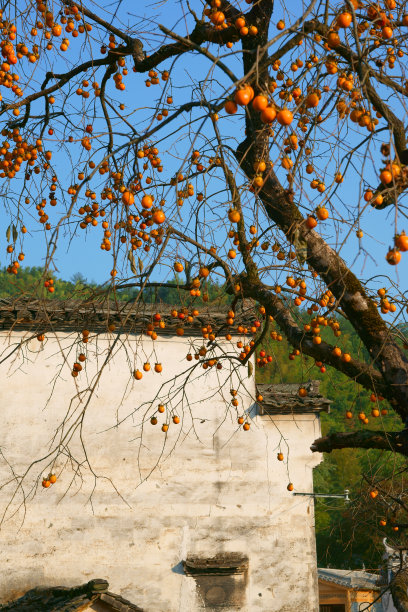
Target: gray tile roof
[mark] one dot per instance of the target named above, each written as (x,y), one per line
(21,313)
(284,398)
(65,599)
(352,579)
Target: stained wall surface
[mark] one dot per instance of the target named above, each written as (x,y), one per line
(131,504)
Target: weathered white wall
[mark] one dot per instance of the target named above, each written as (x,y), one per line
(216,488)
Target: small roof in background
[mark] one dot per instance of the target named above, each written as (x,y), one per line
(351,579)
(285,398)
(65,599)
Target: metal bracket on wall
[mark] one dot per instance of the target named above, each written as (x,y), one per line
(344,496)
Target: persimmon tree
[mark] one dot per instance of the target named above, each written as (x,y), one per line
(248,143)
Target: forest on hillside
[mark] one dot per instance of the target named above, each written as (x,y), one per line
(349,535)
(30,282)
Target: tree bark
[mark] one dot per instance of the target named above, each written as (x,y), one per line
(385,354)
(399,590)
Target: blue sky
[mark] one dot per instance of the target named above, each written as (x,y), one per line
(367,256)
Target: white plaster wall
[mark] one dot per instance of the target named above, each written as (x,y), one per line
(216,488)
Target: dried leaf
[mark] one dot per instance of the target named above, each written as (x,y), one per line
(140,265)
(8,233)
(250,369)
(15,233)
(131,259)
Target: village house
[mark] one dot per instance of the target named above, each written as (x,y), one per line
(195,518)
(344,590)
(349,591)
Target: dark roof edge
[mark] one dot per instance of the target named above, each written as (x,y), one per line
(72,315)
(285,399)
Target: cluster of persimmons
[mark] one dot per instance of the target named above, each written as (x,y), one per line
(127,209)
